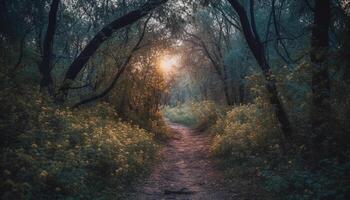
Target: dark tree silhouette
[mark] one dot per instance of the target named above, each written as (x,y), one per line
(45,66)
(320,79)
(257,48)
(119,72)
(101,37)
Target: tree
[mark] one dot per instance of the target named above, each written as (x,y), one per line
(119,72)
(104,34)
(216,62)
(257,48)
(45,66)
(320,79)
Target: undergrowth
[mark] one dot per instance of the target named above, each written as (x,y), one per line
(248,144)
(58,153)
(247,141)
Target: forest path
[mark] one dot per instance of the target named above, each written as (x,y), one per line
(185,171)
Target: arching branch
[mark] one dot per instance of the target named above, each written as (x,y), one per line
(106,32)
(119,72)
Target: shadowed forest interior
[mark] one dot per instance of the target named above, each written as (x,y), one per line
(175,99)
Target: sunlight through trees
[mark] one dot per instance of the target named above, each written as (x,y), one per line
(169,63)
(92,93)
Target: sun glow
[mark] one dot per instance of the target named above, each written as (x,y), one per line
(168,63)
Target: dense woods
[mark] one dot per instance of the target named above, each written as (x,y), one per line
(89,88)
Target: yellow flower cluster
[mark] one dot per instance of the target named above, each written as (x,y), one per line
(244,131)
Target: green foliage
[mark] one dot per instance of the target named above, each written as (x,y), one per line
(58,153)
(248,141)
(245,130)
(329,182)
(200,115)
(51,152)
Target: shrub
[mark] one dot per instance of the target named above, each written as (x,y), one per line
(296,182)
(245,130)
(58,153)
(153,122)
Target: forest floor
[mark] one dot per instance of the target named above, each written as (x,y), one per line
(186,171)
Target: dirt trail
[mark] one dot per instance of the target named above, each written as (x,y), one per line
(185,171)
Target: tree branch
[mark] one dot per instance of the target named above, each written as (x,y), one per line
(120,71)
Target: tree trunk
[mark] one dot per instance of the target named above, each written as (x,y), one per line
(320,79)
(226,83)
(101,37)
(258,51)
(227,93)
(241,91)
(45,66)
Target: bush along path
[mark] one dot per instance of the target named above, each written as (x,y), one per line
(186,171)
